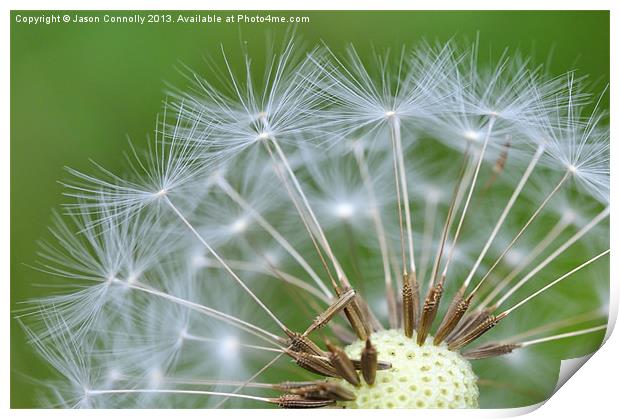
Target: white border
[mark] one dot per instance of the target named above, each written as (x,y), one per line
(591,392)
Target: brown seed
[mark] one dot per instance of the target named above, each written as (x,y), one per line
(453,316)
(408,313)
(373,322)
(294,401)
(429,311)
(478,331)
(468,324)
(341,302)
(369,362)
(322,390)
(355,316)
(490,350)
(314,364)
(301,343)
(355,322)
(499,165)
(381,365)
(290,385)
(342,363)
(357,305)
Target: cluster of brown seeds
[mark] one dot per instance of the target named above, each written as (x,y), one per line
(335,363)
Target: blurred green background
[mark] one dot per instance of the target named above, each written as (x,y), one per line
(78,91)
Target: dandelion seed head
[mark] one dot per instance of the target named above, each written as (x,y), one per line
(263,203)
(425,376)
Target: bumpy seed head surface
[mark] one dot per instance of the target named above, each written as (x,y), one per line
(421,377)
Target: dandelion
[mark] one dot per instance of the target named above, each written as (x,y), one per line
(387,226)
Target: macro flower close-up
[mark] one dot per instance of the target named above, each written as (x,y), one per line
(320,224)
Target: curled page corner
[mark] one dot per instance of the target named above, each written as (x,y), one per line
(517,411)
(568,367)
